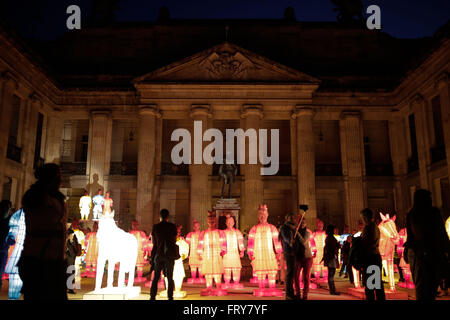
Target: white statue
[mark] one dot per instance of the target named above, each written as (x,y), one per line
(85,206)
(116,246)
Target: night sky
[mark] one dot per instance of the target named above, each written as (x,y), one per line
(46,19)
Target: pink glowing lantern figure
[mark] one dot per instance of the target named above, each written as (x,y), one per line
(264,250)
(108,204)
(161,283)
(405,266)
(389,237)
(235,251)
(318,268)
(195,262)
(91,253)
(143,245)
(211,248)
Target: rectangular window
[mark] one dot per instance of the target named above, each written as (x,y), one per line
(437,121)
(14,124)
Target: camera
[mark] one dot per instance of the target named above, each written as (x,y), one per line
(303,207)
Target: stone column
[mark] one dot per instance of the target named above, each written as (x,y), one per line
(353,167)
(55,126)
(423,141)
(145,195)
(252,192)
(200,188)
(399,155)
(442,84)
(7,86)
(98,161)
(306,177)
(29,138)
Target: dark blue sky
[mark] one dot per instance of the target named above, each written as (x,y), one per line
(46,19)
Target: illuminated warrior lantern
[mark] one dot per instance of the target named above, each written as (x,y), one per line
(143,250)
(17,234)
(178,268)
(115,246)
(91,253)
(405,266)
(212,247)
(98,204)
(235,251)
(81,240)
(264,250)
(195,262)
(388,239)
(85,206)
(319,269)
(108,203)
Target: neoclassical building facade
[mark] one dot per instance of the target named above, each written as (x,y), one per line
(363,118)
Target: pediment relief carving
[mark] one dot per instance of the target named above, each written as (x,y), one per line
(226,62)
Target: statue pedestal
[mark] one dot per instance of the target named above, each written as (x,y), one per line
(390,294)
(113,293)
(227,206)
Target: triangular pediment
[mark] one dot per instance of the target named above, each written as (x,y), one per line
(226,63)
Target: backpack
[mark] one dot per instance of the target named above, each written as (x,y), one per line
(171,251)
(357,254)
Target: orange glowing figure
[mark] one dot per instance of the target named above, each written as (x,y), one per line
(264,250)
(91,253)
(388,239)
(212,247)
(143,250)
(235,251)
(195,262)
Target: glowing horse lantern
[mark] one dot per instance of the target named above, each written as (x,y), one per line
(389,237)
(115,245)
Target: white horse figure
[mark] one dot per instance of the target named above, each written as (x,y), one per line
(115,245)
(389,237)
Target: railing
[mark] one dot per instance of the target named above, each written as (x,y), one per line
(379,169)
(328,169)
(438,153)
(413,164)
(123,168)
(14,153)
(73,168)
(174,170)
(216,168)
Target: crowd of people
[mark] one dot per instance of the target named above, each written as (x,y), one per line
(49,247)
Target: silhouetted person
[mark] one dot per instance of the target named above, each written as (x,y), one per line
(370,239)
(73,249)
(291,255)
(306,260)
(164,253)
(42,266)
(330,257)
(427,245)
(345,252)
(5,208)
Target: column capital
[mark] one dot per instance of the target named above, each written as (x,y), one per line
(302,111)
(441,80)
(252,110)
(149,110)
(417,99)
(36,98)
(346,114)
(100,113)
(9,77)
(200,110)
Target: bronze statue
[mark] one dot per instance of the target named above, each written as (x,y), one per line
(348,9)
(227,172)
